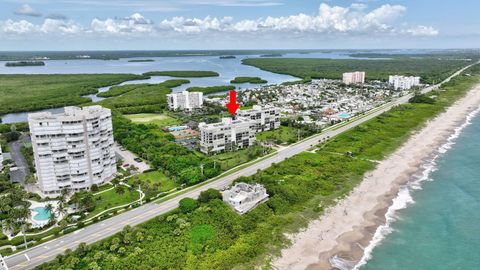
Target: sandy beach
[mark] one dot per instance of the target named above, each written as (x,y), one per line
(348,227)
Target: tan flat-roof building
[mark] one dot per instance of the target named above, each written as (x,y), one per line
(353,77)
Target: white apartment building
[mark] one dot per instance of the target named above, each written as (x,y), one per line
(403,82)
(227,136)
(73,150)
(354,77)
(266,118)
(185,100)
(243,197)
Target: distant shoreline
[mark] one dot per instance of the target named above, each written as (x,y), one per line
(141,60)
(348,227)
(25,64)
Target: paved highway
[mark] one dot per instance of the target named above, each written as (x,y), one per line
(93,233)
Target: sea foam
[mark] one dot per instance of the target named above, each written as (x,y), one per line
(404,197)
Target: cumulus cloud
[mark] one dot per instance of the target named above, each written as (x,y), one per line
(49,26)
(328,20)
(135,23)
(17,27)
(195,25)
(27,10)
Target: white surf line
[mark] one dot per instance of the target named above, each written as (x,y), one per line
(404,199)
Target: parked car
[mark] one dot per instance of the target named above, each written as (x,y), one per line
(126,165)
(138,160)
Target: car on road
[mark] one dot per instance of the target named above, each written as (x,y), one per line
(13,169)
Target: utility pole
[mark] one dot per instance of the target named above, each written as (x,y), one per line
(201,168)
(140,189)
(24,236)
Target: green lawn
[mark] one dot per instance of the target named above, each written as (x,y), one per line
(104,187)
(229,160)
(279,136)
(111,199)
(34,92)
(152,183)
(158,119)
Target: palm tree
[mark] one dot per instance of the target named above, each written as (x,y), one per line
(61,209)
(52,219)
(49,208)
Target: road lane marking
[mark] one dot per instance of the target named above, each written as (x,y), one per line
(251,169)
(26,256)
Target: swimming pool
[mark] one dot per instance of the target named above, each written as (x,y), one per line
(42,214)
(344,115)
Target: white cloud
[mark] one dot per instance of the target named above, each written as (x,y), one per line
(329,20)
(49,26)
(27,10)
(17,27)
(422,30)
(60,26)
(358,6)
(195,25)
(135,23)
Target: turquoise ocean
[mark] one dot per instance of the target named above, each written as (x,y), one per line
(434,222)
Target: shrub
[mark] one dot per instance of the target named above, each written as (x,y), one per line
(94,188)
(187,205)
(421,98)
(208,195)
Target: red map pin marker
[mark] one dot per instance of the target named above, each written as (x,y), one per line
(233,105)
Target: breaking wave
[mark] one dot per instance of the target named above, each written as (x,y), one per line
(404,197)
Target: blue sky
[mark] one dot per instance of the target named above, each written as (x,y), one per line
(237,24)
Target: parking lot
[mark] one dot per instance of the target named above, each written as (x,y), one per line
(129,158)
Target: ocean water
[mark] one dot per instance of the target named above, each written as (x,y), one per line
(434,223)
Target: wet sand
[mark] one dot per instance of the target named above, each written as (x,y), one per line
(348,227)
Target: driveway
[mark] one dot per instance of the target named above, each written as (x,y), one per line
(19,175)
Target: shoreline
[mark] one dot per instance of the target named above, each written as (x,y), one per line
(342,234)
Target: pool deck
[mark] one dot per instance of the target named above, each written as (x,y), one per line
(40,223)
